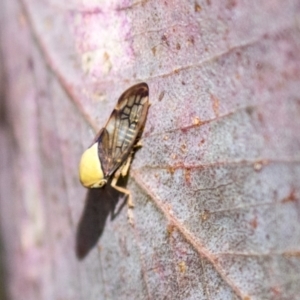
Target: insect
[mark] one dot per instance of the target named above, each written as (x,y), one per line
(111,153)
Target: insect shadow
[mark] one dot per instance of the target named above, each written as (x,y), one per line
(99,204)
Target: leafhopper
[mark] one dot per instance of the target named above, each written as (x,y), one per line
(111,152)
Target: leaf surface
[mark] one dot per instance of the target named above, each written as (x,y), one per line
(216,185)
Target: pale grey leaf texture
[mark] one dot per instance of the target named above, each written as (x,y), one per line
(216,185)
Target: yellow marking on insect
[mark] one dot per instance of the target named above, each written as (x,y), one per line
(90,170)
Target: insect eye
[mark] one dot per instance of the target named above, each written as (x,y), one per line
(102,183)
(99,184)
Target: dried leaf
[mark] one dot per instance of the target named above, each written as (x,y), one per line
(216,185)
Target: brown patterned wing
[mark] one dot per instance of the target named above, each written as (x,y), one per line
(123,128)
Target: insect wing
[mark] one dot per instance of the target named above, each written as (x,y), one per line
(123,128)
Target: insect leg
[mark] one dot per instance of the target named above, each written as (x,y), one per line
(124,171)
(139,144)
(121,189)
(125,167)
